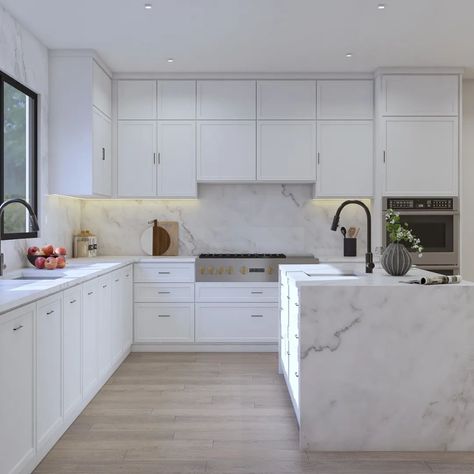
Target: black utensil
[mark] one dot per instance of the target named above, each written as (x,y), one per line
(343,231)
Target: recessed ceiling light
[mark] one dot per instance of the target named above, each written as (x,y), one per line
(170,60)
(148,6)
(381,6)
(348,55)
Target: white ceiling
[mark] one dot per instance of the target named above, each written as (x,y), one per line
(257,35)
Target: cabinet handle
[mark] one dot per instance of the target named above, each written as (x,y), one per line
(257,315)
(164,273)
(257,292)
(103,154)
(105,286)
(90,293)
(17,328)
(318,157)
(159,158)
(297,337)
(164,292)
(384,156)
(72,301)
(296,304)
(296,374)
(154,158)
(50,312)
(164,316)
(118,279)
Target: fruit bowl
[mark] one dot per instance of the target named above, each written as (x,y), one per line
(32,258)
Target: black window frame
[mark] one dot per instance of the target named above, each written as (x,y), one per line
(6,79)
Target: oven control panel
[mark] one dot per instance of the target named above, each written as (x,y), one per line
(413,204)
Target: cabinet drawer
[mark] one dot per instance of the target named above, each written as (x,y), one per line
(164,272)
(164,322)
(164,292)
(221,322)
(236,293)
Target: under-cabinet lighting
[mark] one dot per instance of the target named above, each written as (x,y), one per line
(381,6)
(348,55)
(148,6)
(170,60)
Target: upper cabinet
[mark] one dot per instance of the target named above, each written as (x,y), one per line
(176,100)
(225,100)
(79,126)
(420,95)
(345,100)
(136,100)
(286,100)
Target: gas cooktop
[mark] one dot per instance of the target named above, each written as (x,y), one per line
(242,255)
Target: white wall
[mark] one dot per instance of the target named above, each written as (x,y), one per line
(25,58)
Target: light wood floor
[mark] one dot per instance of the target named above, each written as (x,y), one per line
(216,413)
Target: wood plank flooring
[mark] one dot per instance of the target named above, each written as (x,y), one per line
(218,413)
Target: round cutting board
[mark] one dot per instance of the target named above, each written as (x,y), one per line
(167,242)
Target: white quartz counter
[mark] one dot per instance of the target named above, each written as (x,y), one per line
(15,293)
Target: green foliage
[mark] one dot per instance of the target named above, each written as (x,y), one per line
(398,232)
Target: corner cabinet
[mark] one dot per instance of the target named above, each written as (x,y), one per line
(80,131)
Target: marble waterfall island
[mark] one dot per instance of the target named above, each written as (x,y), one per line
(375,364)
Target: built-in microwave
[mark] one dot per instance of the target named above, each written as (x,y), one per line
(435,221)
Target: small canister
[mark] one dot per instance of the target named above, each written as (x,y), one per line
(85,245)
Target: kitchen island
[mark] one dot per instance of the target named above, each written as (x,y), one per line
(375,364)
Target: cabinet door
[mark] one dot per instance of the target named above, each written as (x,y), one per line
(16,395)
(345,100)
(421,156)
(286,151)
(164,322)
(72,350)
(420,95)
(48,368)
(226,100)
(105,323)
(177,159)
(286,100)
(226,151)
(90,326)
(126,294)
(176,100)
(136,159)
(136,100)
(345,159)
(101,90)
(102,154)
(116,324)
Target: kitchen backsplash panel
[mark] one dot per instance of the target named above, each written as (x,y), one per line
(228,218)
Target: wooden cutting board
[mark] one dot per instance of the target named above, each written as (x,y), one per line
(167,243)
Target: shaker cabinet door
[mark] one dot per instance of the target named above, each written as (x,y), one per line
(102,154)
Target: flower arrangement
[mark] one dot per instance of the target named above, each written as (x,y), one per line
(398,232)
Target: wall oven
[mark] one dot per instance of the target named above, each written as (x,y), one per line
(435,221)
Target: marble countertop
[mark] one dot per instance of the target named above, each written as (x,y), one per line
(15,293)
(351,274)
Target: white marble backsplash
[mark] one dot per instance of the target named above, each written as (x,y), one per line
(228,218)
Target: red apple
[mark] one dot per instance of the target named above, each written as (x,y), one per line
(50,263)
(33,250)
(47,250)
(39,262)
(60,251)
(61,261)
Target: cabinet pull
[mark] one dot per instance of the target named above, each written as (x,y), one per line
(72,301)
(257,292)
(257,315)
(49,312)
(118,279)
(297,337)
(384,156)
(17,328)
(159,158)
(105,286)
(296,374)
(90,293)
(318,157)
(164,315)
(103,154)
(164,292)
(296,304)
(164,273)
(154,158)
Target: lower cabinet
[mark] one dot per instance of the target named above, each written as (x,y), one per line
(237,322)
(164,322)
(116,326)
(48,368)
(127,307)
(16,394)
(106,325)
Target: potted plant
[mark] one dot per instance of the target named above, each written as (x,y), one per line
(396,259)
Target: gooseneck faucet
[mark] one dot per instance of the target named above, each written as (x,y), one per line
(369,258)
(34,222)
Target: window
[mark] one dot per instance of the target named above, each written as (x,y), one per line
(18,156)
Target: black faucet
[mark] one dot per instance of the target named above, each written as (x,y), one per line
(34,222)
(369,258)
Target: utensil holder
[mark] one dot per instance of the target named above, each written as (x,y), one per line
(350,247)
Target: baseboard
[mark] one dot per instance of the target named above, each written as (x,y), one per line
(205,348)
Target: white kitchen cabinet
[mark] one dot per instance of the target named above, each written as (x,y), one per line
(420,95)
(176,100)
(226,100)
(126,308)
(164,273)
(17,447)
(286,151)
(102,154)
(116,326)
(164,292)
(237,322)
(105,334)
(421,156)
(226,151)
(345,99)
(137,157)
(136,99)
(177,159)
(236,292)
(293,378)
(72,350)
(285,100)
(284,308)
(90,342)
(345,159)
(48,368)
(79,126)
(164,322)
